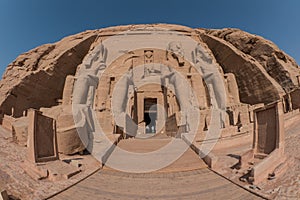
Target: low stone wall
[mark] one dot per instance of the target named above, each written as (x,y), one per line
(7,122)
(261,171)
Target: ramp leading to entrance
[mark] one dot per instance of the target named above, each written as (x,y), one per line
(186,162)
(186,178)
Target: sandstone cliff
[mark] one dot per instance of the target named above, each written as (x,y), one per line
(280,66)
(255,85)
(36,78)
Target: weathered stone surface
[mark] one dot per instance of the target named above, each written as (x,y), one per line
(7,122)
(77,71)
(68,90)
(278,64)
(42,142)
(269,130)
(20,130)
(3,195)
(43,70)
(68,140)
(295,98)
(36,78)
(255,85)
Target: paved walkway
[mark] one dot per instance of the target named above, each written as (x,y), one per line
(187,178)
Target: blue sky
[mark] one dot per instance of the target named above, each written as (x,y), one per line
(25,24)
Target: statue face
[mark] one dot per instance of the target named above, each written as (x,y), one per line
(176,48)
(95,55)
(204,56)
(92,57)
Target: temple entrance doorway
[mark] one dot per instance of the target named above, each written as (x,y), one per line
(150,115)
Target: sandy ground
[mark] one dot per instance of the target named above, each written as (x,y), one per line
(186,178)
(14,179)
(287,185)
(19,184)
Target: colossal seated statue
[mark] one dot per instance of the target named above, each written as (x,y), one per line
(212,77)
(181,86)
(83,94)
(88,75)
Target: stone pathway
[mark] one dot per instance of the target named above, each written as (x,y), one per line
(186,178)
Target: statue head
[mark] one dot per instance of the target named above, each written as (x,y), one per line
(201,55)
(98,54)
(176,48)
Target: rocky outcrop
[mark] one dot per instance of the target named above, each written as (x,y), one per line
(280,66)
(36,78)
(68,139)
(255,85)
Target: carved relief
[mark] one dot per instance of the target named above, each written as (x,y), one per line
(149,67)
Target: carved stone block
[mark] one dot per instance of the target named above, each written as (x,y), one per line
(68,89)
(42,143)
(269,130)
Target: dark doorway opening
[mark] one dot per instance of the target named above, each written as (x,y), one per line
(150,115)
